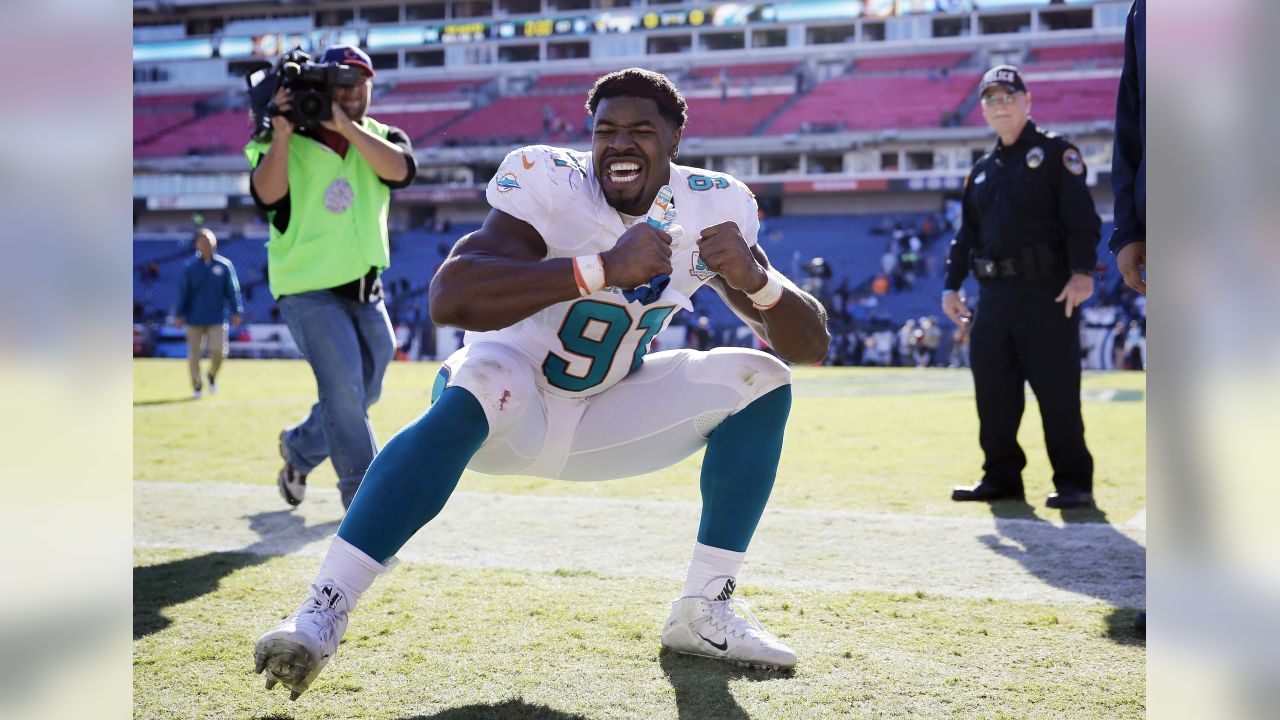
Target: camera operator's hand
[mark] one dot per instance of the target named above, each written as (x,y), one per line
(340,123)
(283,100)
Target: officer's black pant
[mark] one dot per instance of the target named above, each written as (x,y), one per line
(1021,335)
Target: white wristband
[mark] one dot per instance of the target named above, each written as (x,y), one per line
(588,273)
(767,296)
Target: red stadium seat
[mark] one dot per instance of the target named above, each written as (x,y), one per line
(900,63)
(1105,55)
(735,117)
(878,102)
(1066,101)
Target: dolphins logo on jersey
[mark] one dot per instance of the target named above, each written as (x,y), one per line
(508,182)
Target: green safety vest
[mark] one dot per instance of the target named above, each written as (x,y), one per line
(337,217)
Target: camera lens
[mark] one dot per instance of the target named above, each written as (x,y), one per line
(310,105)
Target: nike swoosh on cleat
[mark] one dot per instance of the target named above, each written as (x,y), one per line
(722,646)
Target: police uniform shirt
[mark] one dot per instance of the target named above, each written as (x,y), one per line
(1031,193)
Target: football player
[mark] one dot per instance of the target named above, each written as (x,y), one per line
(582,261)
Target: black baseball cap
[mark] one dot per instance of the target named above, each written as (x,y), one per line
(1005,76)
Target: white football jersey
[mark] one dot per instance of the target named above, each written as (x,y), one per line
(585,346)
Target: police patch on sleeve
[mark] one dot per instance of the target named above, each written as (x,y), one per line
(1035,156)
(1071,158)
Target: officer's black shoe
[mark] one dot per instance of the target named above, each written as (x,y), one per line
(986,492)
(1068,500)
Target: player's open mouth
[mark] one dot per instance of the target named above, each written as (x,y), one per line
(621,173)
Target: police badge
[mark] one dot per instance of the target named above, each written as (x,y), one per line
(1035,156)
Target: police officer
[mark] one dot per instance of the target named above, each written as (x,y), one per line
(1029,233)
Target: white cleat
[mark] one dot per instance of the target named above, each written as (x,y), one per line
(711,628)
(296,651)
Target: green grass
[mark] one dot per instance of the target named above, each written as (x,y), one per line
(858,439)
(455,642)
(431,640)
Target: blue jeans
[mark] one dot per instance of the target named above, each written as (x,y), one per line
(348,345)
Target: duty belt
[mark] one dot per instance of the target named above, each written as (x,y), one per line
(991,269)
(1035,262)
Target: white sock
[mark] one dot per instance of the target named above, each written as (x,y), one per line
(349,567)
(712,564)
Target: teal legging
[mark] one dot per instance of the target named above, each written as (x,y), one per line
(739,468)
(409,481)
(413,476)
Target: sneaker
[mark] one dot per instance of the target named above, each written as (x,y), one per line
(213,386)
(713,628)
(195,394)
(304,642)
(292,484)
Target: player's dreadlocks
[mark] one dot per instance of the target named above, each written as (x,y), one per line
(641,83)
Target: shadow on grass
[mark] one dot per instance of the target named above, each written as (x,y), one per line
(1085,555)
(158,587)
(702,685)
(516,709)
(1123,627)
(165,401)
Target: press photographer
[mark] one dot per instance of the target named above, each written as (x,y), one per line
(323,173)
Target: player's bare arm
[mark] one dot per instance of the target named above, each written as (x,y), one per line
(795,327)
(496,276)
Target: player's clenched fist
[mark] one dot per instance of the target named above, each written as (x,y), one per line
(724,250)
(641,253)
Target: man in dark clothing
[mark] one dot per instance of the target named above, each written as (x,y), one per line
(1129,170)
(1128,161)
(1030,232)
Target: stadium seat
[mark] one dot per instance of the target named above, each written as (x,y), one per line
(878,102)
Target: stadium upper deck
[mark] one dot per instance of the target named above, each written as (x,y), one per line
(805,98)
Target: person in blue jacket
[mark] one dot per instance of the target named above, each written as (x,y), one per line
(1128,161)
(207,292)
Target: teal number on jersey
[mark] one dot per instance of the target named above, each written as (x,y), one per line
(583,316)
(608,325)
(702,182)
(651,321)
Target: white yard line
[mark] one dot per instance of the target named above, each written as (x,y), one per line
(1018,560)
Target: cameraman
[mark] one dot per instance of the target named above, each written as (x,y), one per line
(326,194)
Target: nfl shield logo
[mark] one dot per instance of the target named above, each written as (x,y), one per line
(700,269)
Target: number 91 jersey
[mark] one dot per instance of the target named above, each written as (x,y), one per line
(584,346)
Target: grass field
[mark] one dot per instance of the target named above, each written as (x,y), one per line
(899,602)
